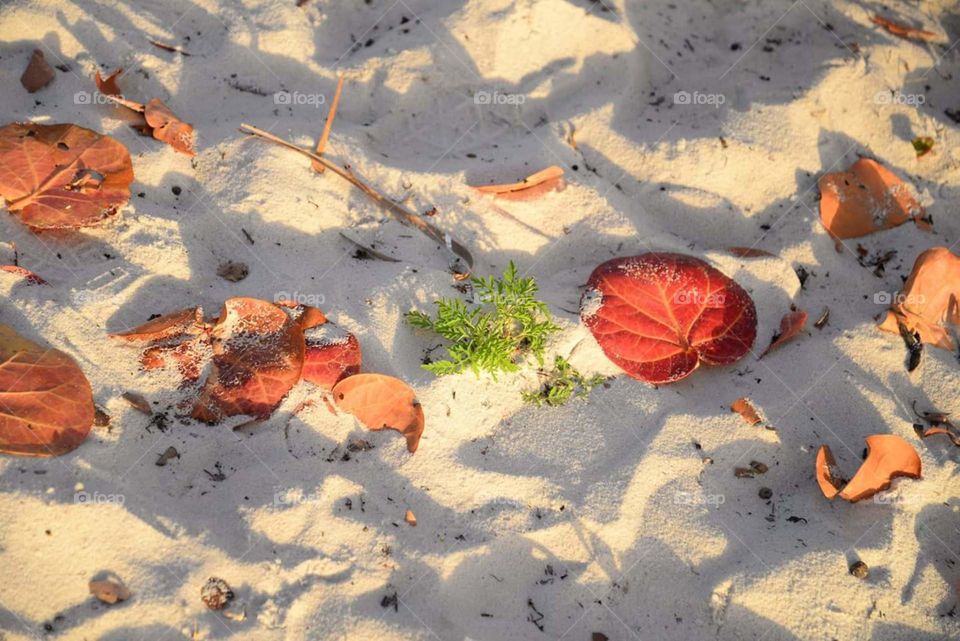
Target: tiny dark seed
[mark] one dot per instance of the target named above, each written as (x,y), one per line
(765,493)
(176,190)
(859,569)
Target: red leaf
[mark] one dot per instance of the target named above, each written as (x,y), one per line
(382,402)
(257,357)
(108,86)
(38,73)
(46,404)
(62,176)
(658,315)
(790,325)
(331,353)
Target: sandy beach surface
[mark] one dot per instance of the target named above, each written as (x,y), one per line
(680,126)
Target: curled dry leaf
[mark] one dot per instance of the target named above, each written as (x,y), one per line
(745,409)
(410,518)
(888,457)
(791,324)
(929,304)
(659,315)
(531,187)
(62,176)
(902,30)
(26,274)
(166,127)
(108,86)
(38,73)
(382,402)
(46,404)
(866,198)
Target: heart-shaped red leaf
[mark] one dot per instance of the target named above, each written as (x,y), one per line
(62,176)
(257,357)
(659,315)
(46,404)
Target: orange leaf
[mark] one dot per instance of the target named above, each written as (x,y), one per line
(331,353)
(166,326)
(257,357)
(902,30)
(790,325)
(166,127)
(866,198)
(930,301)
(382,402)
(888,457)
(743,407)
(62,176)
(46,404)
(531,187)
(27,275)
(108,86)
(38,73)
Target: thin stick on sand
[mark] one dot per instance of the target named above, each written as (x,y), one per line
(322,143)
(403,214)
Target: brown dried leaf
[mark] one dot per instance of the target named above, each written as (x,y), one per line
(382,402)
(888,457)
(531,187)
(62,176)
(749,414)
(790,325)
(109,591)
(108,86)
(46,403)
(930,301)
(866,198)
(38,73)
(166,127)
(902,30)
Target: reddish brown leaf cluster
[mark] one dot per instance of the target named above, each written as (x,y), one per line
(46,404)
(659,315)
(62,176)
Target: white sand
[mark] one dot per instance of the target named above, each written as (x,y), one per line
(600,515)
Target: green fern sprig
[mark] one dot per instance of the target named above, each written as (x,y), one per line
(493,334)
(561,384)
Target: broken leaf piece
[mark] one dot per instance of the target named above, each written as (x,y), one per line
(659,315)
(62,176)
(791,324)
(109,591)
(108,86)
(46,401)
(749,252)
(745,409)
(382,402)
(410,518)
(902,30)
(166,127)
(26,274)
(866,198)
(929,303)
(888,457)
(531,187)
(38,73)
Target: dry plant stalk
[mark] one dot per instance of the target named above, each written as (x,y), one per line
(322,143)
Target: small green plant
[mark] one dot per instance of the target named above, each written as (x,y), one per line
(492,334)
(561,384)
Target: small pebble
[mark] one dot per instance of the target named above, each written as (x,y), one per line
(765,493)
(859,569)
(216,594)
(176,190)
